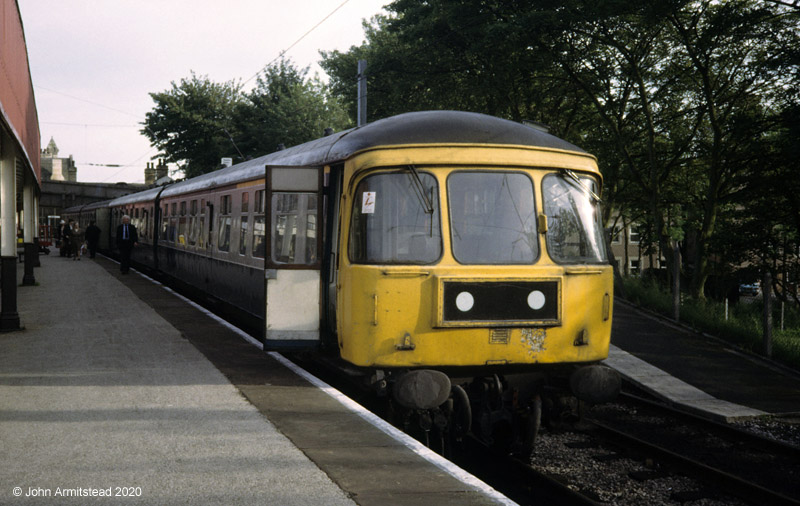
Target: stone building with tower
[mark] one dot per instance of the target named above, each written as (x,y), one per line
(55,168)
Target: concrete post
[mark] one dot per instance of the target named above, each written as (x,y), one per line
(676,281)
(766,293)
(9,318)
(36,262)
(29,221)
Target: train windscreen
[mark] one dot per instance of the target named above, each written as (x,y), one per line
(492,218)
(395,219)
(574,234)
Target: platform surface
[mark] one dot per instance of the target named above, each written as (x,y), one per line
(697,372)
(108,389)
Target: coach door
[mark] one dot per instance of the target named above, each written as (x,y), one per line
(292,260)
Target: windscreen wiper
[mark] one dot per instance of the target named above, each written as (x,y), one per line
(419,189)
(572,177)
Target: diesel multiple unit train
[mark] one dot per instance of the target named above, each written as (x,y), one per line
(413,250)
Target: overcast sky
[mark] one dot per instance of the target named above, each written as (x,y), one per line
(93,62)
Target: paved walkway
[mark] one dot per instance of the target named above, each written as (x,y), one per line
(100,393)
(698,372)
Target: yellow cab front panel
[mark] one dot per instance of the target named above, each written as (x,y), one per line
(454,256)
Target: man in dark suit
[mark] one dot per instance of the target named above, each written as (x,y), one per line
(127,238)
(92,236)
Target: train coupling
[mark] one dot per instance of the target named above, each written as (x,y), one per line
(595,384)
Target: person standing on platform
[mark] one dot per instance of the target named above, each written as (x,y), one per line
(127,238)
(66,239)
(75,241)
(92,238)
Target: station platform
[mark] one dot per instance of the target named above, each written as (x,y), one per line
(109,390)
(698,372)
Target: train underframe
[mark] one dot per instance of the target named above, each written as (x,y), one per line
(504,411)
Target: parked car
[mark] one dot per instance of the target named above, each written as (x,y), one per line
(752,289)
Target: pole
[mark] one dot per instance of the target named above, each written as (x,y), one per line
(766,291)
(36,230)
(9,318)
(362,92)
(676,281)
(28,223)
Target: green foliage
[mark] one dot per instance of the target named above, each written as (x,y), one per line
(689,105)
(286,108)
(198,122)
(189,122)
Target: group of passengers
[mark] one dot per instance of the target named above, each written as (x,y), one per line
(72,245)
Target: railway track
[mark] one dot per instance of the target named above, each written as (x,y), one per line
(636,452)
(721,461)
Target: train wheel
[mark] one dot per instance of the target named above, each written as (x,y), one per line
(531,423)
(462,412)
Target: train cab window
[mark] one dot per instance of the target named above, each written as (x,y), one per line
(492,218)
(574,234)
(224,224)
(174,209)
(294,234)
(395,219)
(193,208)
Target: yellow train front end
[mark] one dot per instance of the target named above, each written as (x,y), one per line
(481,258)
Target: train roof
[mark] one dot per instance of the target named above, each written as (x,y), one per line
(426,127)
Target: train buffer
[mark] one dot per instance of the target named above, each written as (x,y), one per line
(117,386)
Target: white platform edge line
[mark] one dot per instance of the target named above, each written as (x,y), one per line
(409,442)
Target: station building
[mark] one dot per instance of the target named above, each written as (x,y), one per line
(20,166)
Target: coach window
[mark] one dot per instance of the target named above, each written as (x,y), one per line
(193,223)
(182,223)
(294,231)
(243,226)
(173,223)
(164,223)
(224,228)
(201,223)
(259,228)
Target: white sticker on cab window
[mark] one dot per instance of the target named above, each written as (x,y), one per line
(368,203)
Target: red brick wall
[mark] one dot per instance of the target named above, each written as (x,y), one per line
(17,102)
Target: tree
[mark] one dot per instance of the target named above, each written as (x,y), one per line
(198,122)
(286,108)
(678,98)
(191,124)
(730,48)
